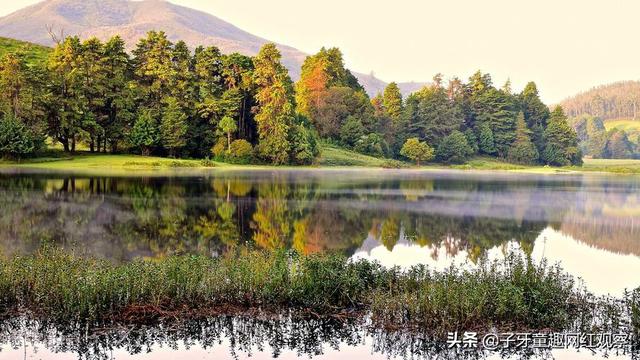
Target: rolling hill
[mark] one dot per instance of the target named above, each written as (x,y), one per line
(133,19)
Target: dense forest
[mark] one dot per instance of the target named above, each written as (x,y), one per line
(165,100)
(613,101)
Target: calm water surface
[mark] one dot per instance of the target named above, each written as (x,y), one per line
(588,223)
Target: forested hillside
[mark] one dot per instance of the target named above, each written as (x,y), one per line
(165,99)
(613,101)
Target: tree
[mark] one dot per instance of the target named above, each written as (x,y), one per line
(154,69)
(523,151)
(372,144)
(486,144)
(173,126)
(16,139)
(619,146)
(276,106)
(351,131)
(118,95)
(417,151)
(228,126)
(561,141)
(144,134)
(454,149)
(434,116)
(392,101)
(536,113)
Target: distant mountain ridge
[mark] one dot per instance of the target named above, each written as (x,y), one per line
(133,19)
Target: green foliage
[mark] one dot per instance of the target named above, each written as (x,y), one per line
(304,145)
(144,134)
(276,109)
(392,102)
(173,127)
(486,144)
(417,151)
(432,116)
(561,141)
(228,125)
(372,144)
(16,139)
(512,293)
(536,114)
(523,151)
(34,54)
(619,146)
(454,149)
(351,131)
(240,152)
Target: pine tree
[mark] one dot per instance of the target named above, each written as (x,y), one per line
(228,126)
(276,105)
(392,101)
(536,114)
(522,151)
(173,126)
(561,141)
(144,134)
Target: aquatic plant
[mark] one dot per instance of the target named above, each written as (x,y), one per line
(511,294)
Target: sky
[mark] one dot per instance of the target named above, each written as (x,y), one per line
(565,46)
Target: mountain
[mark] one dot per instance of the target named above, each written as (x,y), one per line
(619,100)
(133,19)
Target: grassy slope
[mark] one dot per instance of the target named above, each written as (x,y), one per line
(34,53)
(631,127)
(335,156)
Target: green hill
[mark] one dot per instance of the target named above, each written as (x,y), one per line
(34,53)
(631,127)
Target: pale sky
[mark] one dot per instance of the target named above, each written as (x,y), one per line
(565,46)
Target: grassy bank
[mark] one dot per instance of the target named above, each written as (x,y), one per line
(331,156)
(514,294)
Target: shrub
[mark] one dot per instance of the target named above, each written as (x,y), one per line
(304,145)
(241,151)
(16,139)
(219,149)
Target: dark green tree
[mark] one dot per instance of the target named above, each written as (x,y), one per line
(454,149)
(523,151)
(561,141)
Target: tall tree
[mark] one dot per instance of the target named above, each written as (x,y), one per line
(561,141)
(118,95)
(154,69)
(522,151)
(393,102)
(276,105)
(536,113)
(173,127)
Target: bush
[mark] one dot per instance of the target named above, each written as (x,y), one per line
(304,145)
(372,144)
(16,139)
(219,149)
(241,151)
(417,151)
(454,149)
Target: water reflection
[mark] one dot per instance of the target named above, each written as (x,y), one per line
(427,217)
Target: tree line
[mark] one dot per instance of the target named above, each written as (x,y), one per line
(597,142)
(164,99)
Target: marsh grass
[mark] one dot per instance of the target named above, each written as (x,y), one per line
(512,294)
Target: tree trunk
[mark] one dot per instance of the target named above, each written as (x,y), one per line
(92,146)
(229,141)
(73,143)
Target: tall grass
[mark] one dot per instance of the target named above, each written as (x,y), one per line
(514,294)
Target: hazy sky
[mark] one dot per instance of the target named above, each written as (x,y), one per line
(565,46)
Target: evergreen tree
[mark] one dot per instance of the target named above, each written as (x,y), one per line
(118,95)
(536,114)
(392,101)
(173,126)
(486,143)
(454,149)
(523,151)
(144,134)
(276,105)
(351,131)
(154,69)
(561,141)
(434,116)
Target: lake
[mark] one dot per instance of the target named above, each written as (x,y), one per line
(590,224)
